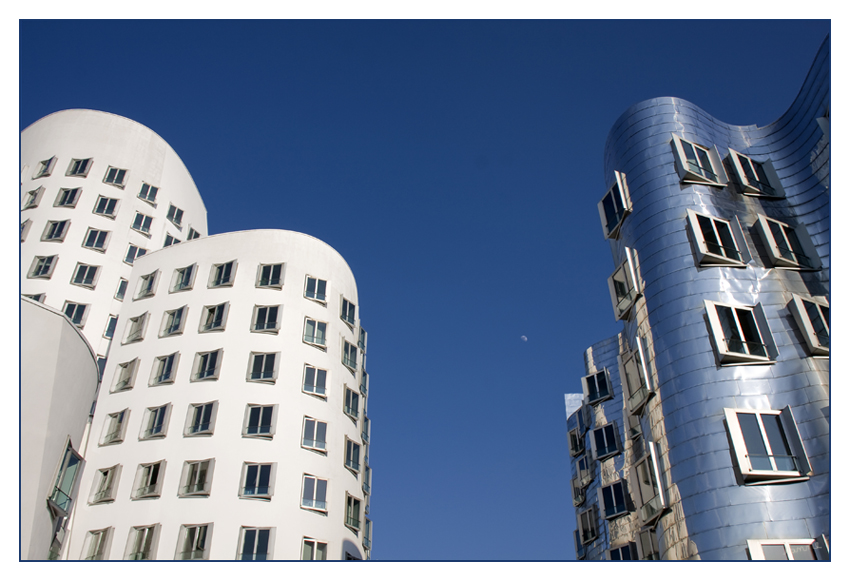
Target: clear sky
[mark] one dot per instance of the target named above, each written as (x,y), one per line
(456,165)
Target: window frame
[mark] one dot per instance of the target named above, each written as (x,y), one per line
(314,338)
(64,492)
(746,184)
(803,317)
(136,252)
(243,540)
(25,229)
(144,225)
(314,551)
(314,294)
(96,233)
(38,266)
(148,490)
(61,200)
(704,255)
(149,422)
(133,366)
(122,282)
(146,286)
(214,274)
(243,481)
(175,216)
(774,252)
(170,240)
(119,177)
(315,433)
(200,488)
(270,285)
(192,234)
(726,356)
(149,544)
(347,308)
(687,175)
(599,397)
(168,329)
(353,504)
(313,503)
(158,376)
(145,194)
(209,311)
(646,541)
(79,171)
(247,426)
(623,306)
(347,360)
(114,427)
(630,548)
(45,168)
(252,358)
(109,477)
(609,431)
(51,226)
(196,552)
(576,442)
(92,281)
(135,329)
(189,430)
(177,278)
(255,319)
(196,367)
(634,370)
(32,198)
(619,194)
(649,509)
(105,213)
(616,510)
(103,538)
(587,525)
(819,547)
(82,319)
(352,449)
(351,403)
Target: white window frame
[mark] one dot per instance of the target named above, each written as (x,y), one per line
(587,525)
(146,286)
(37,270)
(367,533)
(647,545)
(189,547)
(348,309)
(366,431)
(313,443)
(241,555)
(192,234)
(82,319)
(114,427)
(105,485)
(146,195)
(125,375)
(262,375)
(314,388)
(94,236)
(364,381)
(352,505)
(134,252)
(97,545)
(208,318)
(118,177)
(193,470)
(705,251)
(142,487)
(39,298)
(135,328)
(627,277)
(168,328)
(315,295)
(687,174)
(150,422)
(347,359)
(44,168)
(806,324)
(270,281)
(750,354)
(352,455)
(178,278)
(314,339)
(111,326)
(83,167)
(175,216)
(52,225)
(32,198)
(317,549)
(649,509)
(596,396)
(362,339)
(313,502)
(255,319)
(25,228)
(247,427)
(577,442)
(578,491)
(351,404)
(750,187)
(621,204)
(222,282)
(196,411)
(89,282)
(170,240)
(62,198)
(121,292)
(142,224)
(780,259)
(244,485)
(142,543)
(753,475)
(819,546)
(634,375)
(106,213)
(196,368)
(161,365)
(631,547)
(610,512)
(610,431)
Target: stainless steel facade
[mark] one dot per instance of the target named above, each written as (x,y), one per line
(715,338)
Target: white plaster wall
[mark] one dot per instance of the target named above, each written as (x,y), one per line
(110,140)
(302,255)
(58,383)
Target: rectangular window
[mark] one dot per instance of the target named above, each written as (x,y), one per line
(147,285)
(615,206)
(578,492)
(197,476)
(141,545)
(173,321)
(259,421)
(76,312)
(32,198)
(581,551)
(349,355)
(812,316)
(125,375)
(627,552)
(605,442)
(164,369)
(612,500)
(352,512)
(717,242)
(183,278)
(789,549)
(263,367)
(364,382)
(587,526)
(697,164)
(315,289)
(266,319)
(42,266)
(351,406)
(62,497)
(67,198)
(207,365)
(256,544)
(645,487)
(149,478)
(636,384)
(155,424)
(134,252)
(584,470)
(148,193)
(361,341)
(756,178)
(105,484)
(740,333)
(222,275)
(367,534)
(96,239)
(624,286)
(352,455)
(105,207)
(175,215)
(576,442)
(201,419)
(596,387)
(270,276)
(113,430)
(214,317)
(313,550)
(367,429)
(55,231)
(44,168)
(194,542)
(347,311)
(136,328)
(258,481)
(314,332)
(79,167)
(170,241)
(315,434)
(787,246)
(121,290)
(97,545)
(85,275)
(25,228)
(115,176)
(142,224)
(192,234)
(314,493)
(647,545)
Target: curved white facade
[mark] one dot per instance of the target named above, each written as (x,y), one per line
(229,429)
(84,175)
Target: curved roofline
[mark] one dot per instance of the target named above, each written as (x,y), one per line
(76,329)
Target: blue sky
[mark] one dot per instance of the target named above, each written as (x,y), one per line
(456,165)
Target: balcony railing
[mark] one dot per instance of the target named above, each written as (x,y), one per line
(651,508)
(779,463)
(317,504)
(313,443)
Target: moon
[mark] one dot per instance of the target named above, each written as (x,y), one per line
(524,338)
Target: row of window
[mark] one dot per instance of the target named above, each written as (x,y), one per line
(195,540)
(80,168)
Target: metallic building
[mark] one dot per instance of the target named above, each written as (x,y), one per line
(704,427)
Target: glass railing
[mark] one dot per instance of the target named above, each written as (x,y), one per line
(103,494)
(269,326)
(61,499)
(704,172)
(255,491)
(202,427)
(796,257)
(746,347)
(258,430)
(262,375)
(354,465)
(313,443)
(352,522)
(725,251)
(782,463)
(638,397)
(194,488)
(315,339)
(651,508)
(611,511)
(317,504)
(146,490)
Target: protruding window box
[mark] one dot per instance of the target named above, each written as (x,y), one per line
(755,178)
(615,206)
(647,493)
(625,286)
(812,316)
(697,164)
(596,387)
(787,246)
(718,242)
(636,380)
(740,334)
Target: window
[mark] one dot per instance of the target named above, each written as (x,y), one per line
(207,365)
(605,441)
(627,552)
(39,298)
(256,544)
(55,231)
(147,285)
(44,168)
(257,480)
(101,365)
(85,275)
(584,470)
(200,420)
(645,487)
(42,266)
(717,242)
(260,421)
(314,493)
(142,223)
(612,500)
(349,356)
(270,276)
(96,239)
(96,545)
(576,442)
(141,545)
(183,278)
(647,545)
(367,534)
(636,384)
(192,234)
(314,550)
(121,290)
(767,445)
(170,241)
(578,492)
(76,312)
(194,542)
(587,526)
(263,367)
(361,342)
(624,286)
(164,369)
(148,193)
(173,321)
(79,167)
(351,406)
(367,479)
(697,164)
(136,328)
(755,178)
(315,434)
(105,206)
(788,549)
(740,333)
(105,484)
(149,478)
(197,476)
(347,312)
(134,252)
(175,215)
(266,319)
(222,275)
(812,316)
(581,552)
(596,387)
(25,228)
(62,497)
(67,198)
(315,289)
(787,246)
(352,455)
(367,429)
(352,512)
(155,424)
(615,206)
(115,176)
(214,317)
(32,198)
(314,332)
(125,375)
(364,382)
(113,430)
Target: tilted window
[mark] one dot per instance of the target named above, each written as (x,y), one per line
(142,223)
(740,334)
(647,545)
(260,421)
(214,317)
(624,286)
(315,289)
(105,484)
(351,406)
(114,428)
(352,455)
(636,383)
(79,167)
(121,290)
(194,542)
(314,332)
(207,365)
(44,168)
(125,375)
(718,242)
(256,544)
(32,198)
(361,341)
(42,266)
(222,275)
(270,276)
(164,369)
(155,423)
(96,240)
(173,321)
(134,252)
(115,176)
(258,481)
(364,382)
(596,387)
(605,441)
(136,328)
(315,434)
(55,231)
(64,488)
(615,206)
(612,500)
(105,207)
(96,545)
(192,234)
(175,215)
(314,493)
(697,164)
(576,442)
(314,550)
(812,316)
(584,470)
(170,241)
(262,367)
(347,311)
(349,356)
(352,512)
(183,278)
(142,543)
(149,478)
(147,285)
(587,526)
(67,197)
(627,552)
(197,476)
(789,549)
(756,178)
(787,246)
(367,533)
(200,421)
(645,487)
(76,312)
(266,319)
(85,275)
(148,193)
